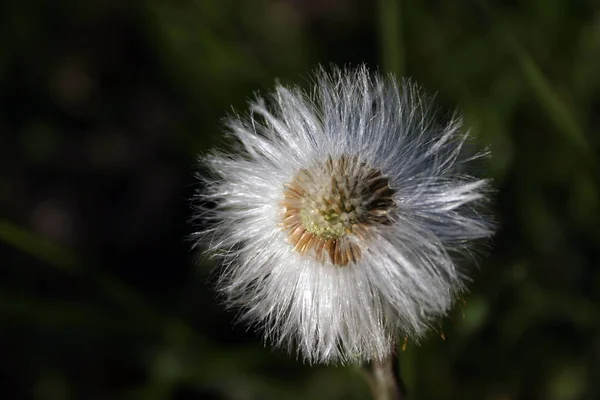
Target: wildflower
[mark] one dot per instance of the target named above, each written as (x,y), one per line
(340,215)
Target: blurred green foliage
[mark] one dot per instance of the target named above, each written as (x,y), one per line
(104,106)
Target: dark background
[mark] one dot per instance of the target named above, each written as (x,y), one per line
(104,106)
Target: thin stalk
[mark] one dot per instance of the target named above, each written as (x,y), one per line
(384,380)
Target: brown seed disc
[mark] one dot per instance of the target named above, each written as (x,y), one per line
(330,207)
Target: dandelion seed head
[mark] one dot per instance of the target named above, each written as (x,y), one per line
(341,215)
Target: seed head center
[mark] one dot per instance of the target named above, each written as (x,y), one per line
(332,205)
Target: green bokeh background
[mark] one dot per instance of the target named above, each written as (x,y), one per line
(104,106)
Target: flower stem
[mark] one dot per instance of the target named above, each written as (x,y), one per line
(384,379)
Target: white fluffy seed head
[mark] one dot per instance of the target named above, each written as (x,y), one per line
(341,214)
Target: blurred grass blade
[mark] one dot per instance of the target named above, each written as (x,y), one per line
(390,36)
(53,254)
(556,110)
(407,357)
(25,308)
(563,118)
(37,246)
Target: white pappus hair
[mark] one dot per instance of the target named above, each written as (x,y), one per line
(340,215)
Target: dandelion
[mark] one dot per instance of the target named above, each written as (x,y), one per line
(341,214)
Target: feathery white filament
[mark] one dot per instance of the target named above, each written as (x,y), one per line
(339,216)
